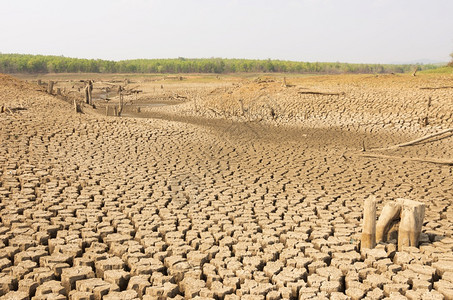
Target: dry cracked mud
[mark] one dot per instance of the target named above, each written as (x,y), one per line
(96,207)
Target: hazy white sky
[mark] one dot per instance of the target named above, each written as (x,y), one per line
(365,31)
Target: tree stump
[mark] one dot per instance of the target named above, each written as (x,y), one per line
(368,239)
(120,107)
(390,214)
(50,87)
(87,97)
(412,215)
(88,91)
(241,102)
(425,121)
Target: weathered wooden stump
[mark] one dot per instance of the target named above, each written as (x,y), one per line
(407,212)
(50,87)
(411,223)
(88,90)
(369,223)
(241,102)
(390,214)
(120,105)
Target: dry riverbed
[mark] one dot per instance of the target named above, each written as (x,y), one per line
(207,199)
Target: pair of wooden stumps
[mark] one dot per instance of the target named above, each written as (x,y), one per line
(408,213)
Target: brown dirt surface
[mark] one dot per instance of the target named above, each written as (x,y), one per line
(184,202)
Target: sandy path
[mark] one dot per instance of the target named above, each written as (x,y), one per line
(142,208)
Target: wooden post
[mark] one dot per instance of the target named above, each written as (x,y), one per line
(195,103)
(87,98)
(120,105)
(425,119)
(115,111)
(390,214)
(75,106)
(284,82)
(369,223)
(58,91)
(90,90)
(412,215)
(50,87)
(39,81)
(106,110)
(242,106)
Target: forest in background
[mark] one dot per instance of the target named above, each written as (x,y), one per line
(25,63)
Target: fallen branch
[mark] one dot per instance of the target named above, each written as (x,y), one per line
(436,88)
(427,160)
(427,137)
(320,93)
(214,111)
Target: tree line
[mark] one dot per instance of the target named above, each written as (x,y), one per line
(25,63)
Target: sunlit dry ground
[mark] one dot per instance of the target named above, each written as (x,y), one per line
(215,200)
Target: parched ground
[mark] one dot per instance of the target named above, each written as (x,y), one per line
(96,207)
(367,102)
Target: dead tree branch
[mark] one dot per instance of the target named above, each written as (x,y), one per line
(427,160)
(416,141)
(320,93)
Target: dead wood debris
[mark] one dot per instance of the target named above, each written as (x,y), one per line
(436,88)
(416,141)
(427,160)
(320,93)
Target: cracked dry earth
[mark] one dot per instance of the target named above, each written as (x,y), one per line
(97,207)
